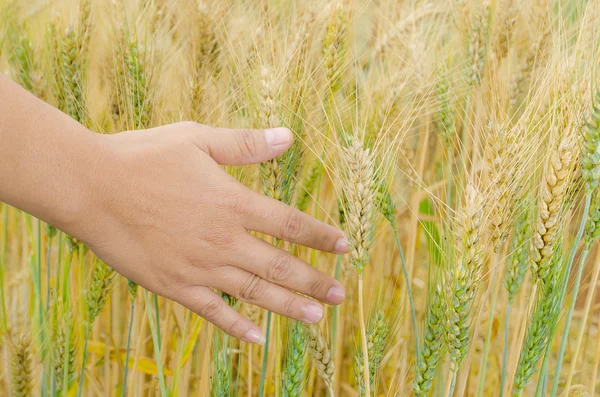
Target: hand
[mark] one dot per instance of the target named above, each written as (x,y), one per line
(161,212)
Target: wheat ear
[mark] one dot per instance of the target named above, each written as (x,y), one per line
(22,384)
(463,276)
(320,354)
(550,216)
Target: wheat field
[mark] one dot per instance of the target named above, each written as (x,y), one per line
(456,144)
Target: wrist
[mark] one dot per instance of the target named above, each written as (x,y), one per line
(78,178)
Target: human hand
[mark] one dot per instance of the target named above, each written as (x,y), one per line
(164,214)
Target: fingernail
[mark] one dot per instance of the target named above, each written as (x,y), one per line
(255,336)
(313,313)
(336,295)
(278,136)
(341,247)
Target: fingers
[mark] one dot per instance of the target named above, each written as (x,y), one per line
(207,304)
(240,147)
(276,219)
(279,267)
(251,288)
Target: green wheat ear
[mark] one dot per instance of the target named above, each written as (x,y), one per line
(100,288)
(294,375)
(432,349)
(377,340)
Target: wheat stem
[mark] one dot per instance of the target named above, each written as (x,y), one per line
(586,316)
(488,336)
(127,349)
(85,345)
(505,350)
(563,342)
(263,373)
(586,209)
(157,349)
(363,331)
(413,314)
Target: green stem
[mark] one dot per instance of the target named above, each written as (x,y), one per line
(336,309)
(126,369)
(2,269)
(449,176)
(48,271)
(157,321)
(413,314)
(540,389)
(488,336)
(563,290)
(563,342)
(85,344)
(157,349)
(263,372)
(505,352)
(452,384)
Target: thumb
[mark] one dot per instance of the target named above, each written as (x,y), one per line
(239,147)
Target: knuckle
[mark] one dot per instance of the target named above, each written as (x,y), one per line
(253,288)
(280,268)
(316,286)
(211,308)
(221,239)
(233,326)
(246,142)
(288,305)
(292,226)
(235,204)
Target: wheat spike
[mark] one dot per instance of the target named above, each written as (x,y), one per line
(542,324)
(590,158)
(294,373)
(431,352)
(360,198)
(463,276)
(308,186)
(319,352)
(500,163)
(550,212)
(334,46)
(478,44)
(517,265)
(64,349)
(21,367)
(270,171)
(377,339)
(99,291)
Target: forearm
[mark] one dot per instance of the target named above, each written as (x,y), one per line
(46,158)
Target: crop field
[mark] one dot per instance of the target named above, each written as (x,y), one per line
(455,143)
